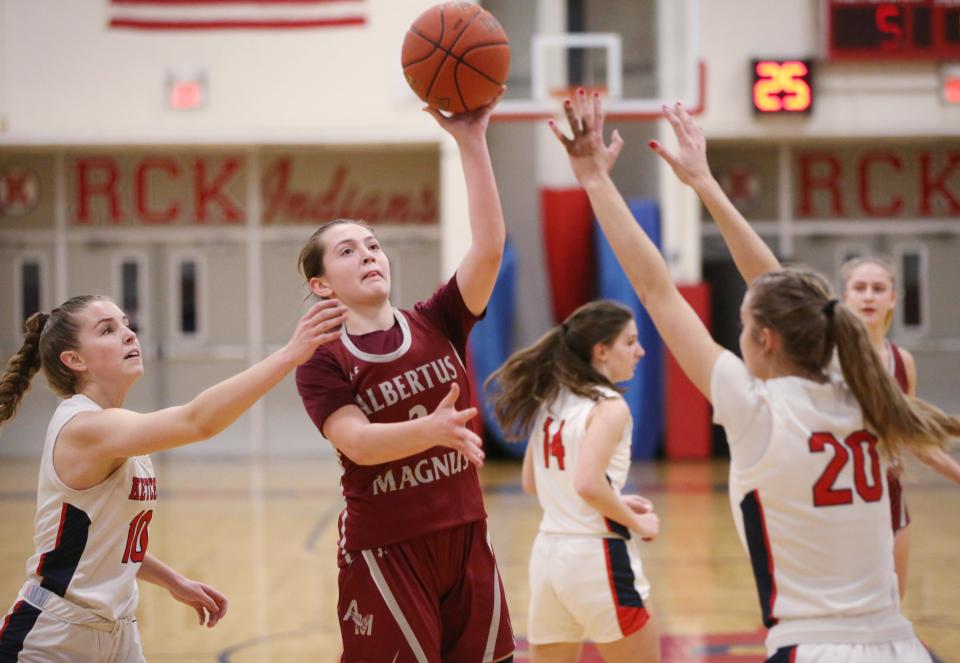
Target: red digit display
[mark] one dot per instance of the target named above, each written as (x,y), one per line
(782,86)
(898,29)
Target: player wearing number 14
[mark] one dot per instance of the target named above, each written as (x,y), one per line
(586,577)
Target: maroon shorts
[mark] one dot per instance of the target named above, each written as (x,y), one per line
(900,517)
(437,598)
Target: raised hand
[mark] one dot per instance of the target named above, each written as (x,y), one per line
(211,605)
(589,156)
(689,162)
(469,125)
(321,324)
(449,427)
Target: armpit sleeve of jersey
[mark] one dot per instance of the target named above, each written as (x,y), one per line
(323,387)
(740,408)
(451,314)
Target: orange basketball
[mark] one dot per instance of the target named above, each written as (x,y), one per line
(456,56)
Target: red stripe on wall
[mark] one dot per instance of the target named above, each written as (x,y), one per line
(688,430)
(568,241)
(141,24)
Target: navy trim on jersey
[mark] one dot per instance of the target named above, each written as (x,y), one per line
(612,525)
(622,574)
(15,629)
(784,655)
(57,566)
(755,529)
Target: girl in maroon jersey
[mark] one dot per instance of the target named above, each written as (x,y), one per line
(97,488)
(867,284)
(869,289)
(418,580)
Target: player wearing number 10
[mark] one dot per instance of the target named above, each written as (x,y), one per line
(97,488)
(808,447)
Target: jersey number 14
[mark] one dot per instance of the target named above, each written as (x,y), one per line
(553,444)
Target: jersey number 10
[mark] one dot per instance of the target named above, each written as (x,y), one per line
(138,537)
(824,492)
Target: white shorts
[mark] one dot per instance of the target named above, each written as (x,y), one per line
(30,634)
(898,651)
(584,587)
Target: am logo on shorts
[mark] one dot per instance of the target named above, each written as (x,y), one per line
(361,625)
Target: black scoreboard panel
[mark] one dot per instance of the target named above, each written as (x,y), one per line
(896,29)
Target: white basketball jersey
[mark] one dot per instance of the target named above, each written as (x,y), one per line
(557,438)
(89,543)
(813,509)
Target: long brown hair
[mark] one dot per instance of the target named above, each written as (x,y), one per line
(45,338)
(800,306)
(310,261)
(532,377)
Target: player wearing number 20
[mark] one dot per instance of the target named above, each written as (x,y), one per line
(97,488)
(808,448)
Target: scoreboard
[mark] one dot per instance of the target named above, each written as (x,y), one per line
(893,29)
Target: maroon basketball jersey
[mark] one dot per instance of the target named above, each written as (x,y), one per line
(394,376)
(899,368)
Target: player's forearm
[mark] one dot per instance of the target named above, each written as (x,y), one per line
(750,253)
(941,461)
(220,405)
(487,229)
(156,572)
(372,444)
(637,255)
(600,497)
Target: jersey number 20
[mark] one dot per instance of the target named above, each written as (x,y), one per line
(860,444)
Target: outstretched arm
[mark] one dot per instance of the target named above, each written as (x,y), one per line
(751,255)
(678,324)
(211,605)
(937,459)
(95,439)
(478,270)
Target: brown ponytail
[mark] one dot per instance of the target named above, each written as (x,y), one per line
(46,338)
(533,376)
(897,419)
(800,306)
(21,367)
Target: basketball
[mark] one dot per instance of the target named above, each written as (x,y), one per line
(456,56)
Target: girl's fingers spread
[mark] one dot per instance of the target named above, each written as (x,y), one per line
(466,415)
(598,112)
(559,134)
(572,118)
(616,144)
(451,396)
